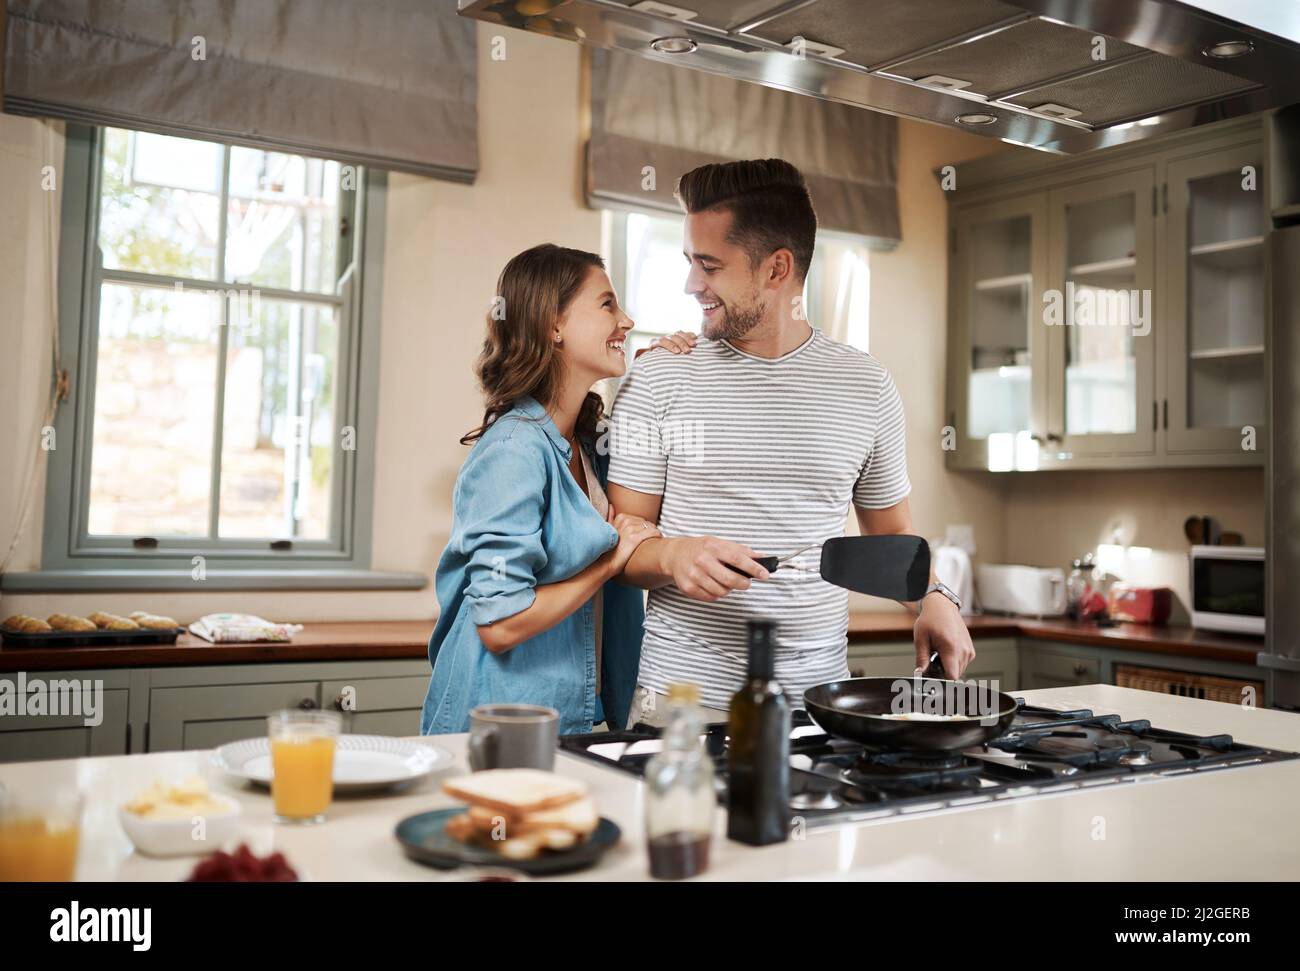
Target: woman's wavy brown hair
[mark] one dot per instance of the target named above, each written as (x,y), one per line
(519,356)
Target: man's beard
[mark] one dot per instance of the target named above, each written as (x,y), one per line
(734,324)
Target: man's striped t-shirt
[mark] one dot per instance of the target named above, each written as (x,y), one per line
(768,452)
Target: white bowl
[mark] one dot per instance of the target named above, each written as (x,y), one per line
(175,837)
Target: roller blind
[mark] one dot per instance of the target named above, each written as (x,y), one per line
(648,114)
(389,83)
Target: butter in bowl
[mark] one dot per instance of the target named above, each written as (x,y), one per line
(180,819)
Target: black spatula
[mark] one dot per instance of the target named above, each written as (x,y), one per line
(893,567)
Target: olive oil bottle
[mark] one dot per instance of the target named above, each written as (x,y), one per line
(758,751)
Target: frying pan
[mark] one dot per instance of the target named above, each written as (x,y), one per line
(855,709)
(894,567)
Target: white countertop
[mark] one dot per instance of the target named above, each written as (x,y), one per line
(1232,824)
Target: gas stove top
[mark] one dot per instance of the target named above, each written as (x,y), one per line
(833,780)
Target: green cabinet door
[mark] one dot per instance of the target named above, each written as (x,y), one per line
(205,716)
(377,706)
(29,738)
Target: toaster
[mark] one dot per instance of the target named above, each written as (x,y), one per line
(1030,591)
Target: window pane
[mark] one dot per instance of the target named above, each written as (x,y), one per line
(279,440)
(159,204)
(837,292)
(283,221)
(155,384)
(656,278)
(1100,354)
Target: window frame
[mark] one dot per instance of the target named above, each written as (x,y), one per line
(67,546)
(615,241)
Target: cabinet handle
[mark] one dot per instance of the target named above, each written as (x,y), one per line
(1080,668)
(1166,413)
(307,704)
(1053,437)
(338,703)
(856,673)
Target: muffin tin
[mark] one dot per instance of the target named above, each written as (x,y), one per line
(90,638)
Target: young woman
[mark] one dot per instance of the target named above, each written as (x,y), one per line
(530,612)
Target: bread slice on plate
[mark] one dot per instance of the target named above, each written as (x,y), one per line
(578,817)
(515,792)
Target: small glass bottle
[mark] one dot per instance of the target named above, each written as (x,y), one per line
(1078,586)
(680,798)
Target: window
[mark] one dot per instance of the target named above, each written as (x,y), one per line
(649,273)
(213,293)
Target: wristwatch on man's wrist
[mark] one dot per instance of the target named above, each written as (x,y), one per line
(943,588)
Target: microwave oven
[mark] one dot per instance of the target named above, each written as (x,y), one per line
(1228,588)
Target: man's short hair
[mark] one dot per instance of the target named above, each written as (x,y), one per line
(769,205)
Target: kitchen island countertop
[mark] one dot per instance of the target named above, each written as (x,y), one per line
(1228,824)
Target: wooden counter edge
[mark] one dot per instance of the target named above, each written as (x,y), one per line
(386,640)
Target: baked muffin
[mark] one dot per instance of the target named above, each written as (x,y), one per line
(34,625)
(121,623)
(69,622)
(15,623)
(154,621)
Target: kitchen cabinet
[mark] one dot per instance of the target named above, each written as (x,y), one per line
(1101,357)
(999,396)
(195,708)
(1047,668)
(378,706)
(205,716)
(186,707)
(996,660)
(29,737)
(1214,303)
(1108,311)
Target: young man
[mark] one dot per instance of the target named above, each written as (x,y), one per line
(755,443)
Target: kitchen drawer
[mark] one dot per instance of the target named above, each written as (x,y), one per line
(29,738)
(1046,669)
(381,706)
(210,715)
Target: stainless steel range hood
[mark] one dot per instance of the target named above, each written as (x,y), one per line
(1059,75)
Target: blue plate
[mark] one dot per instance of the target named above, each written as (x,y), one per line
(424,839)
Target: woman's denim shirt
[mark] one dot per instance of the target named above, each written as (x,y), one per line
(521,520)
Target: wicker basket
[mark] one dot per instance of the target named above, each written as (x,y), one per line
(1207,686)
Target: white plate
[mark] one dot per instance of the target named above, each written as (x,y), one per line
(361,762)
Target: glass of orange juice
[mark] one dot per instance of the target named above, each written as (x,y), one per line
(302,763)
(39,834)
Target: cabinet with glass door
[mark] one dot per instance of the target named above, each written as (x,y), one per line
(1214,307)
(997,392)
(1099,315)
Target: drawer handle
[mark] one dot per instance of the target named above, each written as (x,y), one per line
(338,703)
(1081,668)
(856,673)
(307,704)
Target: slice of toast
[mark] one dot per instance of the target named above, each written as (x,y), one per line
(515,792)
(578,817)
